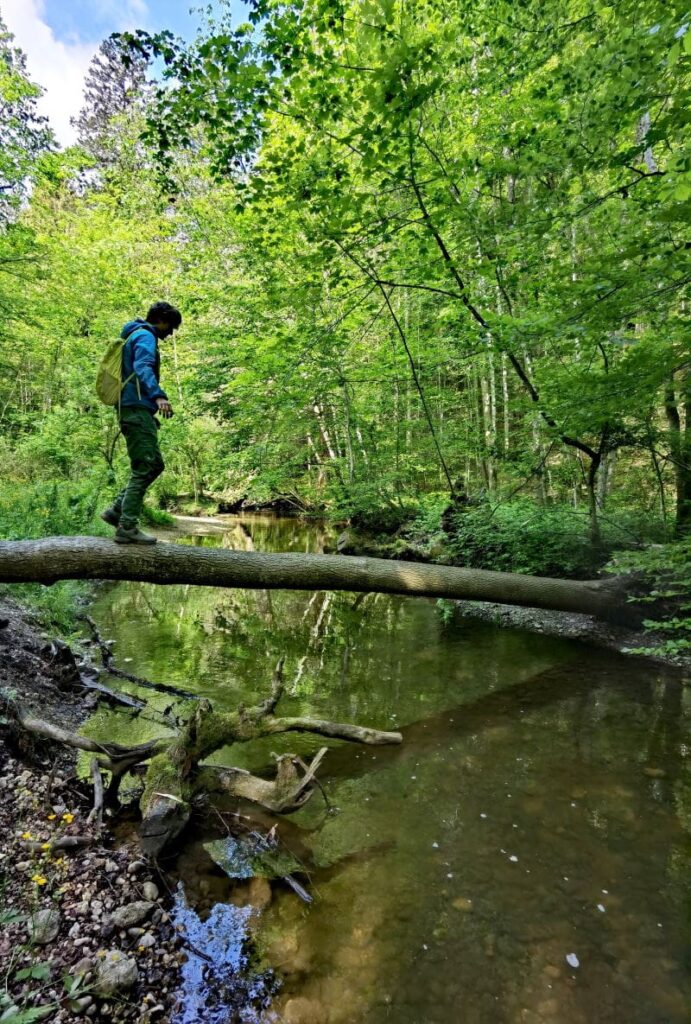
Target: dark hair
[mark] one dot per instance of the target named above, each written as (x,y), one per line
(164,311)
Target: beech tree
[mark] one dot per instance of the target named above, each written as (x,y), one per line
(508,165)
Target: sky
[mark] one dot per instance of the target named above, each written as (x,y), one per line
(60,37)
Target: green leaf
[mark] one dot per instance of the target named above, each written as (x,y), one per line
(40,972)
(11,916)
(16,1016)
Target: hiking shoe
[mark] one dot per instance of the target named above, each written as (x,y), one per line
(111,517)
(133,536)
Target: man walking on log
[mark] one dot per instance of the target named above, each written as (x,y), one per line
(141,399)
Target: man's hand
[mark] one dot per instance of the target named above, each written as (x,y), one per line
(165,408)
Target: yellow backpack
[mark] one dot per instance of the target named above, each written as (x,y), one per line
(109,382)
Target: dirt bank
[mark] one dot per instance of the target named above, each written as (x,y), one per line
(85,932)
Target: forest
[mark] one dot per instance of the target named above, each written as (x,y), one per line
(432,263)
(430,260)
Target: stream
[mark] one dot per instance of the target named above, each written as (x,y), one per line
(523,856)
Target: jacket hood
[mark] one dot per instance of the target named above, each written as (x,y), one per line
(132,325)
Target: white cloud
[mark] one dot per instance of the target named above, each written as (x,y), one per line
(58,65)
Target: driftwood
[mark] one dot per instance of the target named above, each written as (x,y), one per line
(61,558)
(96,812)
(175,775)
(64,843)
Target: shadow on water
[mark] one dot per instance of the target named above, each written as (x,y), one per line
(522,856)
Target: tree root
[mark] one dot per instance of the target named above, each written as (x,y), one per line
(175,775)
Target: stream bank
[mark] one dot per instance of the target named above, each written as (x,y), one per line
(529,819)
(86,933)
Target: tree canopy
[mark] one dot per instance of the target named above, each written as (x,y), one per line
(432,263)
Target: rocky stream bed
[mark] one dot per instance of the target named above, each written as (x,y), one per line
(85,932)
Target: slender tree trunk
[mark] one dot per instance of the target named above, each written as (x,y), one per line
(505,398)
(680,447)
(605,479)
(591,483)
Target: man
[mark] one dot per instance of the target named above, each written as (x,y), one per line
(142,397)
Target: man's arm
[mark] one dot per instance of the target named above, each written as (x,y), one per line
(144,363)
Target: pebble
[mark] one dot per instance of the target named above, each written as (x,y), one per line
(44,926)
(111,867)
(131,914)
(147,941)
(463,904)
(135,866)
(150,891)
(82,1004)
(82,966)
(115,974)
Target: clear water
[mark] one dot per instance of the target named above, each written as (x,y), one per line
(523,856)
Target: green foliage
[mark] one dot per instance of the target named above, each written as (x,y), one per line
(13,1015)
(666,569)
(24,135)
(35,972)
(51,507)
(539,540)
(422,249)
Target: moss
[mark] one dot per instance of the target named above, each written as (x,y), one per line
(220,729)
(162,777)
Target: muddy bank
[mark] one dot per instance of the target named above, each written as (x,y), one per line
(85,932)
(38,669)
(570,626)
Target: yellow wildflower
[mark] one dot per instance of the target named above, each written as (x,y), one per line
(69,818)
(27,835)
(52,817)
(39,879)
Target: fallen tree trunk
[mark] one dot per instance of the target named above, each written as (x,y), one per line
(62,558)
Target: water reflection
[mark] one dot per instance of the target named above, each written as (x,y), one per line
(538,809)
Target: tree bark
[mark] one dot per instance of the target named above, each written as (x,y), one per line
(62,558)
(680,447)
(175,775)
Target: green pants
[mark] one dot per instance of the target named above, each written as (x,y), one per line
(140,430)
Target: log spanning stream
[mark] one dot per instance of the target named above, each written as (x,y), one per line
(522,856)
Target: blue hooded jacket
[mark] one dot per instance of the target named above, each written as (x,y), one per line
(140,356)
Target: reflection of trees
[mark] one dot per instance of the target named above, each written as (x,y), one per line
(486,706)
(586,819)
